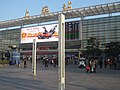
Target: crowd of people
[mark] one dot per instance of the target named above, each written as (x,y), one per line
(90,64)
(51,61)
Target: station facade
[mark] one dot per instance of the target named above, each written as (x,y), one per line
(104,28)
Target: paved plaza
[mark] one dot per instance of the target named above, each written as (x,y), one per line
(13,78)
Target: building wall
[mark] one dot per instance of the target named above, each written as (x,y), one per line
(105,29)
(8,38)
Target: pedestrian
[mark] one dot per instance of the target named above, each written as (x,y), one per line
(100,63)
(87,68)
(105,63)
(46,62)
(18,63)
(54,62)
(93,66)
(110,62)
(25,63)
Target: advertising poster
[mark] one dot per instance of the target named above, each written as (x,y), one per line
(44,33)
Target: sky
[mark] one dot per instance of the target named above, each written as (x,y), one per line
(12,9)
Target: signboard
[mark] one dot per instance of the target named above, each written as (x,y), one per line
(72,30)
(40,33)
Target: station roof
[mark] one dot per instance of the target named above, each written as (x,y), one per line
(72,13)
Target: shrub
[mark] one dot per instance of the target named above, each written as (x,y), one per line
(4,62)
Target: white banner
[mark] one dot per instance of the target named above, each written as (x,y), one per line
(40,33)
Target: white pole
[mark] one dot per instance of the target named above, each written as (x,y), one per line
(81,31)
(80,37)
(61,52)
(34,57)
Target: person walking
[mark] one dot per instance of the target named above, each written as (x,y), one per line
(46,62)
(100,63)
(25,63)
(105,63)
(18,63)
(93,66)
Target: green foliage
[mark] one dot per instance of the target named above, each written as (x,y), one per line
(4,62)
(93,47)
(112,49)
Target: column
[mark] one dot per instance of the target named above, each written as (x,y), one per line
(61,52)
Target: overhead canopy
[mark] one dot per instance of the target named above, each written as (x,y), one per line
(73,13)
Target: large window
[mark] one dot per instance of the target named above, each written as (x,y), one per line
(8,38)
(104,29)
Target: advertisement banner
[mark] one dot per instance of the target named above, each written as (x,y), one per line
(44,33)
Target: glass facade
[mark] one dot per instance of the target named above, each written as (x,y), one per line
(9,38)
(105,29)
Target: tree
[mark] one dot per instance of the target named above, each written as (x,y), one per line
(112,49)
(93,47)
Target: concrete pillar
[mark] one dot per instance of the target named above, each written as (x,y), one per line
(80,37)
(34,58)
(61,52)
